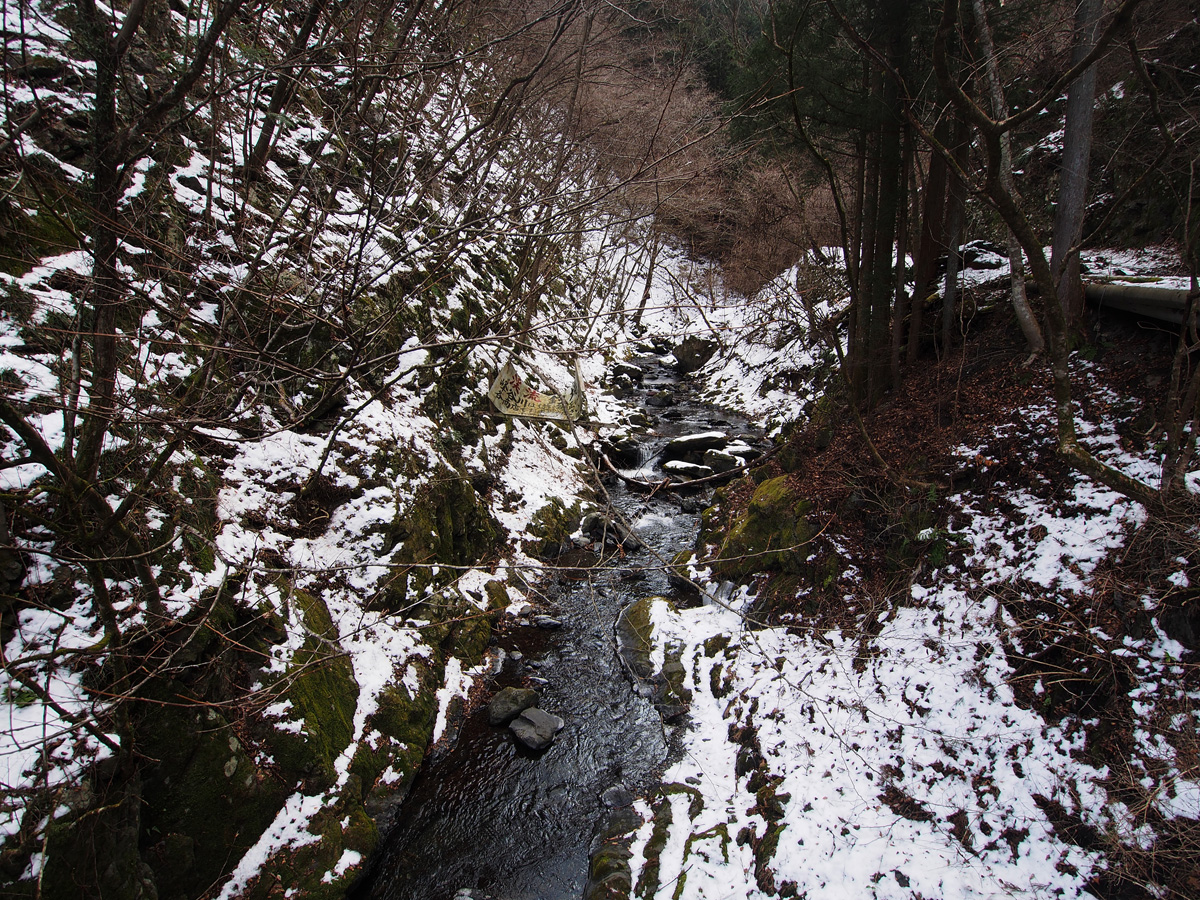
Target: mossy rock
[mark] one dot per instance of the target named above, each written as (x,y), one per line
(713,520)
(95,854)
(679,574)
(308,870)
(635,636)
(405,725)
(675,675)
(773,534)
(321,687)
(647,882)
(609,874)
(446,524)
(552,526)
(24,239)
(206,794)
(497,595)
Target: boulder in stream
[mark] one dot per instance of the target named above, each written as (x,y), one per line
(692,353)
(535,728)
(691,447)
(627,373)
(686,469)
(599,527)
(622,448)
(720,462)
(509,703)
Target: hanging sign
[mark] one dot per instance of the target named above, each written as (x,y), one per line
(514,397)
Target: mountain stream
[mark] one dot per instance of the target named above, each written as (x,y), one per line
(489,819)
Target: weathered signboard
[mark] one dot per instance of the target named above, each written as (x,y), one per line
(513,397)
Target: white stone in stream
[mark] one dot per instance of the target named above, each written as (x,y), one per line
(686,469)
(694,444)
(536,728)
(742,450)
(719,461)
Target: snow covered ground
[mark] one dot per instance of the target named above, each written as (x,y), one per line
(921,757)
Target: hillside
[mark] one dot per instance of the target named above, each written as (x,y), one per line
(263,532)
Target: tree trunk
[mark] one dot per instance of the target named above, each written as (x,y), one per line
(1025,317)
(1073,181)
(933,237)
(956,218)
(906,171)
(859,355)
(285,86)
(655,243)
(882,278)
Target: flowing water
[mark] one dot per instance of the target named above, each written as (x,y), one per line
(498,821)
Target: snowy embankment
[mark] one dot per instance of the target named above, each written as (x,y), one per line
(919,756)
(310,353)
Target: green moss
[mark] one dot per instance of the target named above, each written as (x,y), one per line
(772,534)
(307,870)
(715,644)
(647,882)
(764,852)
(405,724)
(716,686)
(553,524)
(609,874)
(718,832)
(321,687)
(679,571)
(675,674)
(205,793)
(695,801)
(24,239)
(445,525)
(497,595)
(635,635)
(101,845)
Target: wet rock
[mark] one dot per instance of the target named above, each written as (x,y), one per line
(627,372)
(692,353)
(773,534)
(687,470)
(546,622)
(719,461)
(535,728)
(742,451)
(617,795)
(691,447)
(576,558)
(661,400)
(510,703)
(622,449)
(598,527)
(983,255)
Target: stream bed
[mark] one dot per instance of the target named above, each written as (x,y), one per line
(490,819)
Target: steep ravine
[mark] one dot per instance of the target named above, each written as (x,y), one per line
(493,819)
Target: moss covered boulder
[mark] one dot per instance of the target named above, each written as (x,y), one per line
(772,535)
(446,524)
(552,527)
(220,779)
(323,694)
